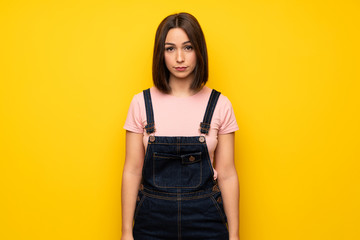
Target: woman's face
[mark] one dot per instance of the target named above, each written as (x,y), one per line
(180,57)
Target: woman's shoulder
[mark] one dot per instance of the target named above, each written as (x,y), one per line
(139,96)
(223,100)
(224,116)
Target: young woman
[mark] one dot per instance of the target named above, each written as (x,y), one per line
(177,132)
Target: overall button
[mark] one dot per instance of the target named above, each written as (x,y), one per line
(191,158)
(201,139)
(152,138)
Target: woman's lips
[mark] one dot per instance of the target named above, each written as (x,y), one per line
(181,69)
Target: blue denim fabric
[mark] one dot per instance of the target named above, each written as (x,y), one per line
(178,198)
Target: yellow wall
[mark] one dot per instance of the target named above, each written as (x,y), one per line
(69,69)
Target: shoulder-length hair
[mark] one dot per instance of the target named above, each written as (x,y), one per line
(191,26)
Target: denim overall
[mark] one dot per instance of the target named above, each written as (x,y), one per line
(178,196)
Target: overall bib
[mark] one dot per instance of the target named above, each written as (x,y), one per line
(178,197)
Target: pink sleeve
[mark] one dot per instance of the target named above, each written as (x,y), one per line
(133,121)
(228,122)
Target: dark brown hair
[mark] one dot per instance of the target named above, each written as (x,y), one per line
(191,26)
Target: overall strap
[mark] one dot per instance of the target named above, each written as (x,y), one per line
(205,124)
(150,127)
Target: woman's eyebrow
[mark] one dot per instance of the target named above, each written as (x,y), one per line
(167,43)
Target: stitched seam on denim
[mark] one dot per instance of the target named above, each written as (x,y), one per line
(208,112)
(179,143)
(149,128)
(213,103)
(212,107)
(178,146)
(178,158)
(149,112)
(157,156)
(208,104)
(169,155)
(148,120)
(153,171)
(173,193)
(176,198)
(179,220)
(184,162)
(212,110)
(151,107)
(200,181)
(144,96)
(219,210)
(138,207)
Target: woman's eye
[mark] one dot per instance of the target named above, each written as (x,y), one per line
(188,48)
(169,49)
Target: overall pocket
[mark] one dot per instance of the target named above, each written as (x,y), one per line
(139,201)
(218,203)
(177,171)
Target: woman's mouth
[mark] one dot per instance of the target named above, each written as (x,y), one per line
(180,69)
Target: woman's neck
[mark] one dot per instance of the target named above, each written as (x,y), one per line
(181,87)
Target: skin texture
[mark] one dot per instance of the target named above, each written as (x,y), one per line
(179,53)
(131,179)
(228,181)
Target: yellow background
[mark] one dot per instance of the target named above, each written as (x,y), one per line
(69,69)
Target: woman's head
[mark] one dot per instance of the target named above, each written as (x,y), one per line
(190,26)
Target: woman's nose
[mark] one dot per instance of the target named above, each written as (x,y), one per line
(179,56)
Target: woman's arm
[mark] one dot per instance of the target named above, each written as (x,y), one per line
(228,181)
(131,179)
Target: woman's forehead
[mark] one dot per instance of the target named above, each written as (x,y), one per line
(177,35)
